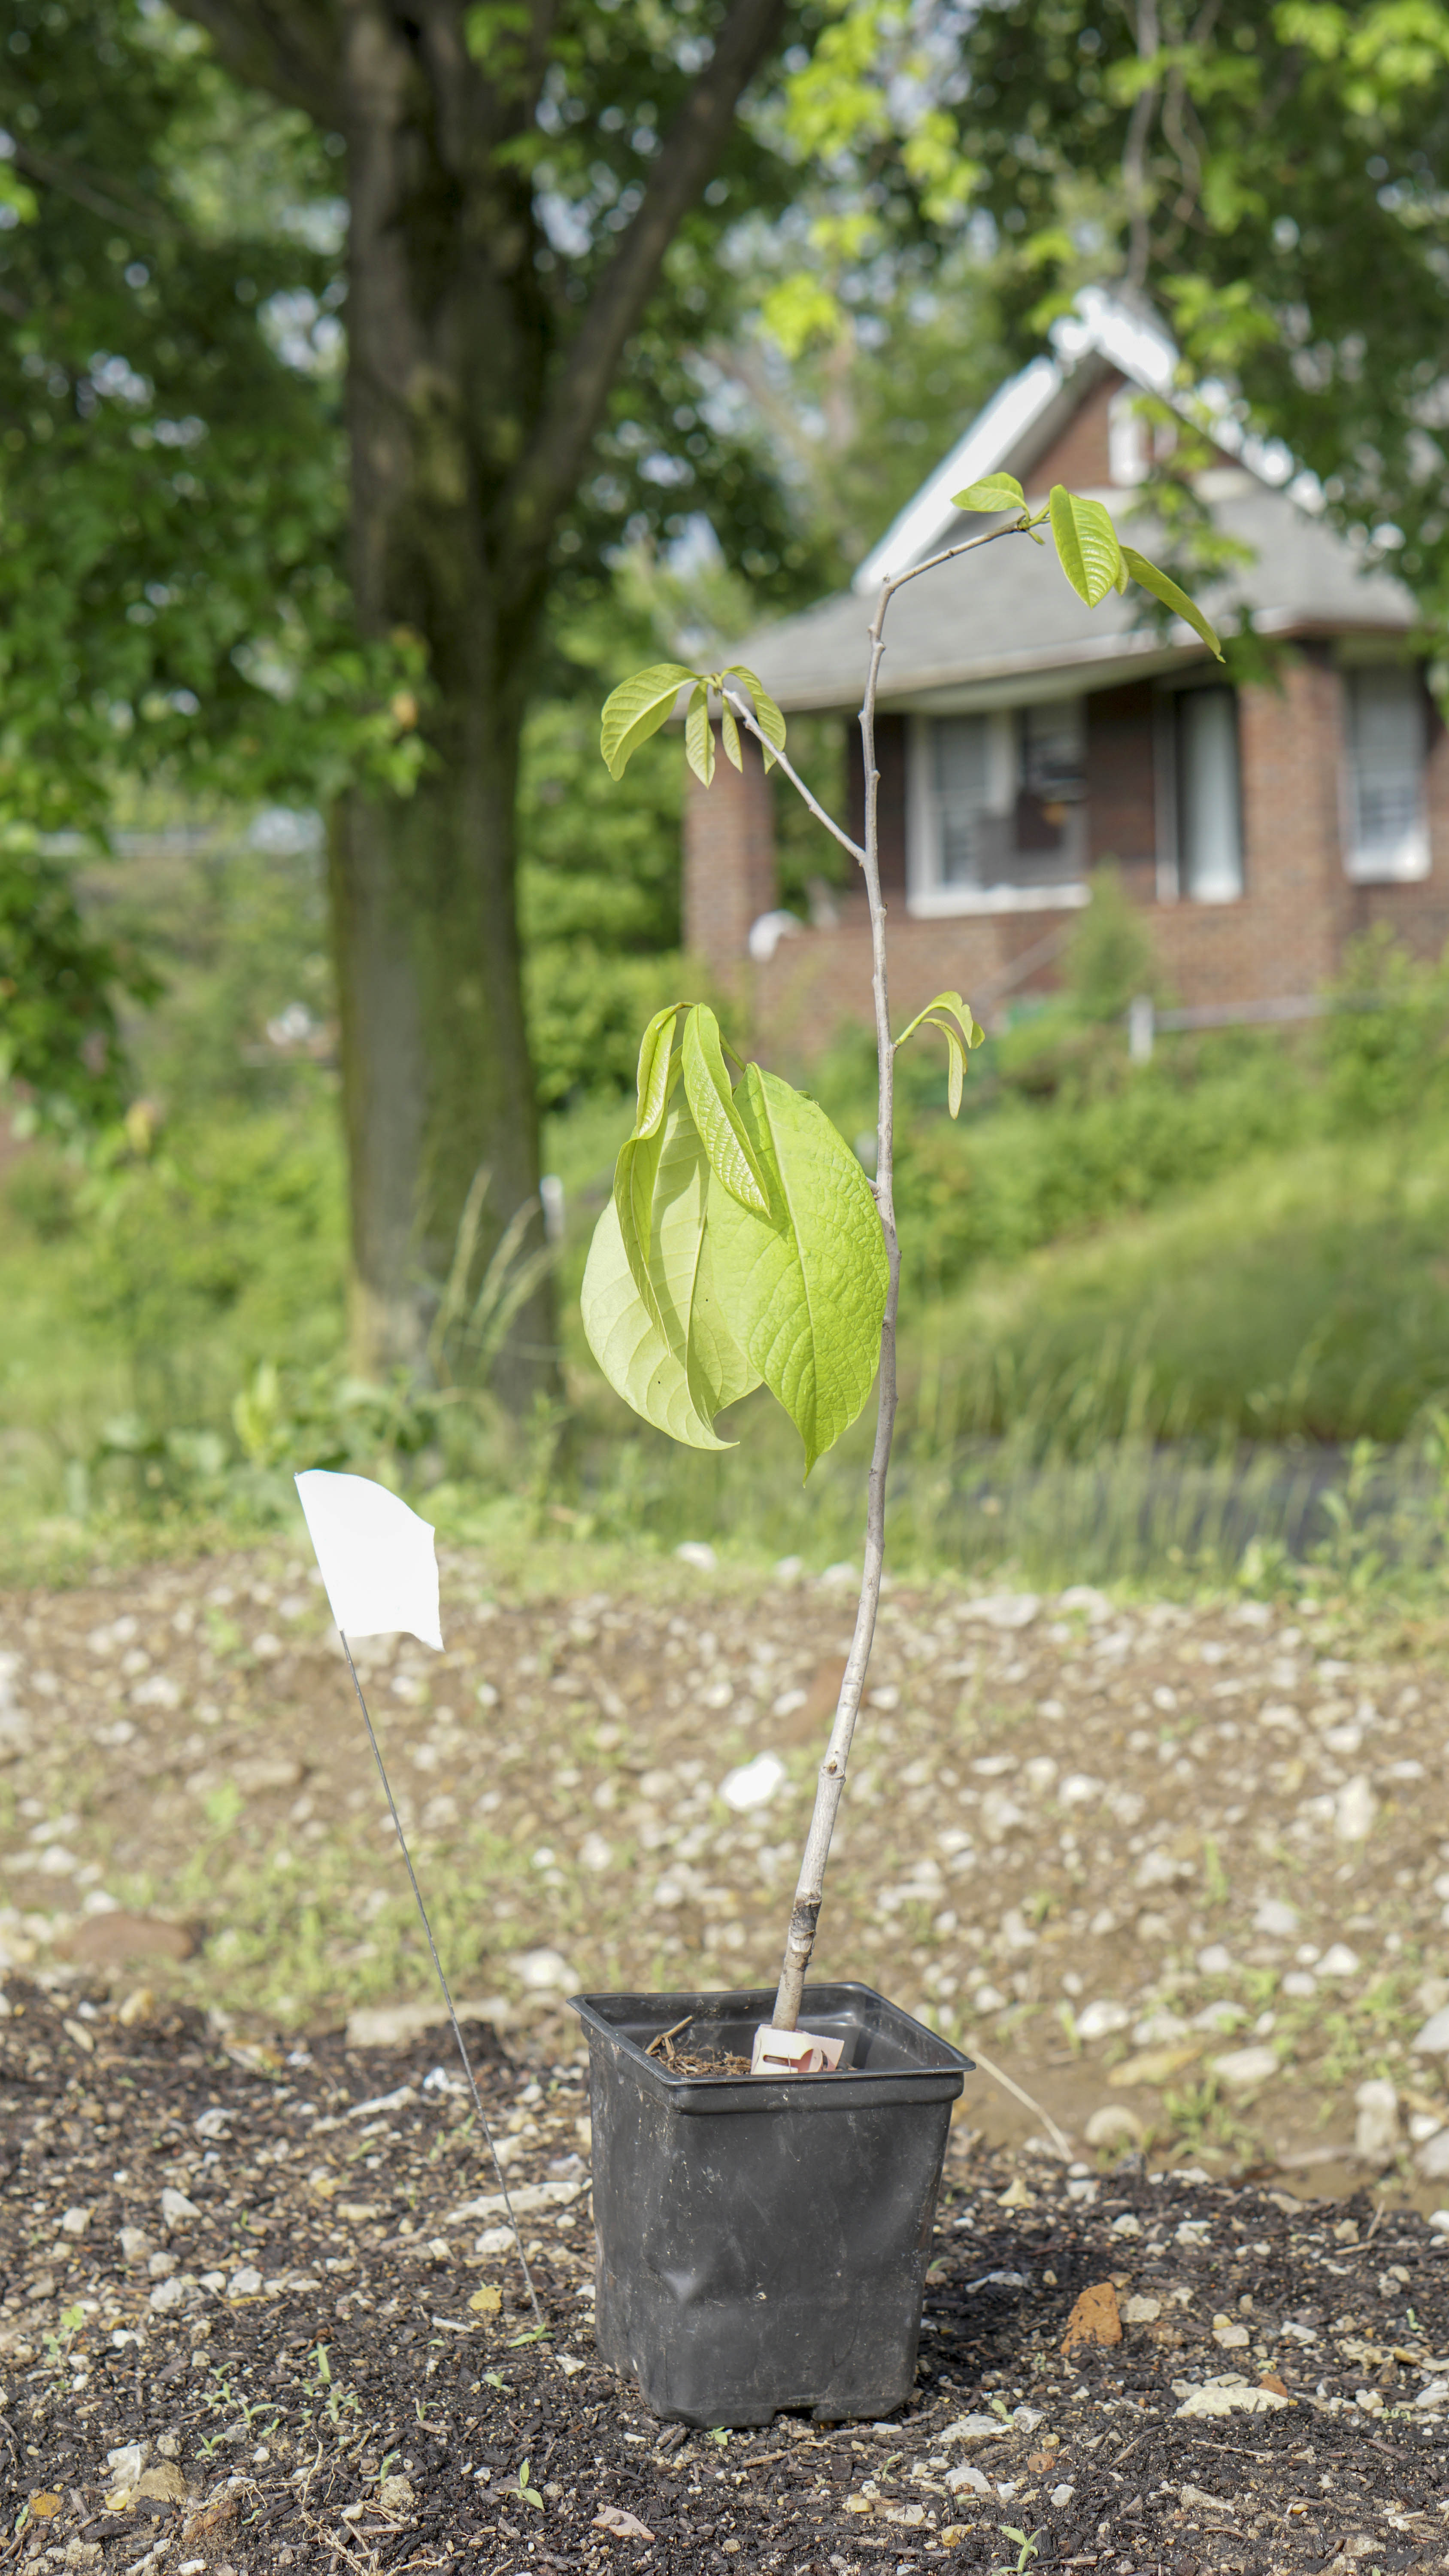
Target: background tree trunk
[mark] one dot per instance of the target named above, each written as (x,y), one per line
(436,1073)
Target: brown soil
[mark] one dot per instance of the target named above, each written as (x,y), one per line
(278,2351)
(1184,1866)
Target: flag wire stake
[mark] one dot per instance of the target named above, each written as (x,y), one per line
(443,1982)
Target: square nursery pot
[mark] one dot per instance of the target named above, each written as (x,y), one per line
(762,2242)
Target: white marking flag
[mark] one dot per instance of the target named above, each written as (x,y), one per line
(376,1556)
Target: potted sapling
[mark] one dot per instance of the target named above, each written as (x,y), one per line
(766,2163)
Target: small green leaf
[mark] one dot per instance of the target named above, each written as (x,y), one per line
(710,1094)
(1086,543)
(637,709)
(994,492)
(699,737)
(729,734)
(1164,588)
(802,1291)
(767,714)
(955,1008)
(956,1074)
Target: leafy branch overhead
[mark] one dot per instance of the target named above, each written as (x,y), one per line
(1088,548)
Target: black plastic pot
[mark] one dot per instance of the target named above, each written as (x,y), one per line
(763,2242)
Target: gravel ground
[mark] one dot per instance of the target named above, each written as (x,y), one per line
(1183,1871)
(213,2356)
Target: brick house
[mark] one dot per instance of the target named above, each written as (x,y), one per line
(1023,739)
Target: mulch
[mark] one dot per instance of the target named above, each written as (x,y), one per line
(293,2347)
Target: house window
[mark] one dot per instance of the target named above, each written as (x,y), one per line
(1387,838)
(996,817)
(1208,795)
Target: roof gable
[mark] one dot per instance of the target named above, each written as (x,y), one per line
(1027,427)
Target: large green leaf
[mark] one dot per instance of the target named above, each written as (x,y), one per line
(711,1100)
(1087,544)
(1163,587)
(804,1289)
(636,709)
(672,1357)
(994,492)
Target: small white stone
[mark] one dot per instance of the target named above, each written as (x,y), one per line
(1340,1961)
(76,2221)
(1432,2158)
(176,2208)
(967,2475)
(1300,1984)
(975,2428)
(753,1784)
(1354,1810)
(698,1553)
(1140,2310)
(1114,2125)
(1277,1920)
(1100,2019)
(1062,2496)
(1243,2068)
(1376,2133)
(170,2293)
(1215,1961)
(1156,2029)
(544,1972)
(989,1999)
(595,1852)
(246,2281)
(1433,2039)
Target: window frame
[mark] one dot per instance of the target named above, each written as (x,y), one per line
(927,898)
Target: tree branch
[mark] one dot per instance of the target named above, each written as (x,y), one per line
(550,476)
(290,47)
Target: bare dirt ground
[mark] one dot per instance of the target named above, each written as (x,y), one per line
(1182,1872)
(247,2322)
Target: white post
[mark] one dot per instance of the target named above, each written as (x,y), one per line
(1141,1028)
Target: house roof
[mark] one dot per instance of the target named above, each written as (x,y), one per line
(1004,623)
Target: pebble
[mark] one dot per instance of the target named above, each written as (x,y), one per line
(1275,1919)
(1354,1810)
(1113,2124)
(753,1784)
(1241,2068)
(1376,2132)
(975,2428)
(1099,2020)
(698,1553)
(1433,2039)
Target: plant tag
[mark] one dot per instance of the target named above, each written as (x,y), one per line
(794,2052)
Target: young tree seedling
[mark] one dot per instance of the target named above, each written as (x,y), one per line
(744,1244)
